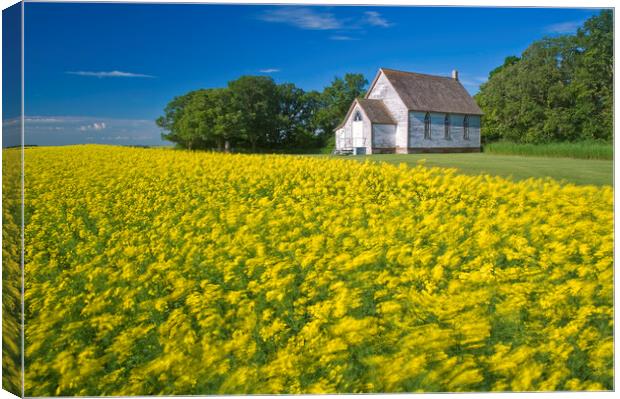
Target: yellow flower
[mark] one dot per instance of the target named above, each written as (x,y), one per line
(167,272)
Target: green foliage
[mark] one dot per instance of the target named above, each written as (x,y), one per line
(336,99)
(255,101)
(560,89)
(581,149)
(255,114)
(330,145)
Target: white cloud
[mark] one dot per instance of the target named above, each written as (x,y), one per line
(269,70)
(342,37)
(375,19)
(312,19)
(303,18)
(471,82)
(468,80)
(41,119)
(116,138)
(94,126)
(62,130)
(564,27)
(111,74)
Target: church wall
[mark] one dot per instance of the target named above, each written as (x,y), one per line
(383,90)
(438,138)
(383,136)
(344,135)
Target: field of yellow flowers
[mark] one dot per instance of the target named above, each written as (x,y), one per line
(155,271)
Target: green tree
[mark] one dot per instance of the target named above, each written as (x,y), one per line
(169,122)
(559,89)
(192,125)
(254,112)
(592,85)
(200,119)
(335,101)
(222,117)
(254,99)
(296,109)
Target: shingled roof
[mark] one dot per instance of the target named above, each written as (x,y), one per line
(375,110)
(422,92)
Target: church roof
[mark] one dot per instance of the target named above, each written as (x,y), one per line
(375,110)
(421,92)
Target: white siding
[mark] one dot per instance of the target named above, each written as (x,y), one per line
(340,139)
(383,90)
(383,136)
(346,143)
(438,140)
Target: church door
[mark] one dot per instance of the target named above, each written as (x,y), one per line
(358,134)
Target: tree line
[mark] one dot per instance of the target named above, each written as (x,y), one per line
(253,113)
(560,89)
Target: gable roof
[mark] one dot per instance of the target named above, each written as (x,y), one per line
(375,110)
(421,92)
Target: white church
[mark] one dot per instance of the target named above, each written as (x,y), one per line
(407,112)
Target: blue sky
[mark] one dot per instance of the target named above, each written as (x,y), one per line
(104,72)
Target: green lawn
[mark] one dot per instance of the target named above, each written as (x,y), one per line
(578,171)
(582,149)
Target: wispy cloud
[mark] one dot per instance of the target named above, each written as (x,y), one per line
(564,27)
(42,119)
(110,74)
(312,18)
(303,18)
(93,126)
(269,70)
(342,38)
(471,82)
(375,19)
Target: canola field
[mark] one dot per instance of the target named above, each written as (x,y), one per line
(155,271)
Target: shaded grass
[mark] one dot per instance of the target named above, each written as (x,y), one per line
(581,150)
(577,171)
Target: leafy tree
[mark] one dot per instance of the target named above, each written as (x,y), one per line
(508,61)
(222,117)
(193,126)
(170,121)
(559,89)
(335,101)
(254,112)
(255,101)
(296,109)
(199,119)
(593,81)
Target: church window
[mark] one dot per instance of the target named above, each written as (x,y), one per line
(466,127)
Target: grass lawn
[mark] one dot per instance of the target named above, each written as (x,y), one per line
(582,150)
(578,171)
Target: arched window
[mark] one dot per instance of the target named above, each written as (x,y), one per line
(466,127)
(427,126)
(446,127)
(358,116)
